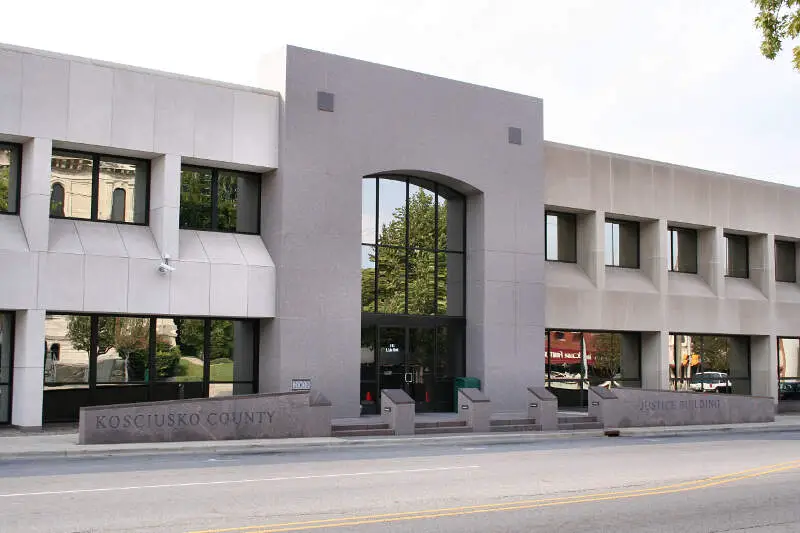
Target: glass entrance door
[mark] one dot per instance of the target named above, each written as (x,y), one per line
(419,358)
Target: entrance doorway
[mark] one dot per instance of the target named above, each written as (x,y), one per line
(422,360)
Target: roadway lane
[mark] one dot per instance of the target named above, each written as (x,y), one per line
(677,484)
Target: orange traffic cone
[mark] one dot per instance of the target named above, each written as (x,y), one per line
(369,396)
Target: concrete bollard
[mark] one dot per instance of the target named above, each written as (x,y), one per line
(474,408)
(398,410)
(543,408)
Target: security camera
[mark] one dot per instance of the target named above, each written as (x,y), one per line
(165,267)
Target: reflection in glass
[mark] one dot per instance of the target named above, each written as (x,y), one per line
(785,261)
(421,217)
(6,362)
(369,385)
(576,360)
(736,256)
(123,349)
(73,172)
(66,350)
(683,250)
(421,282)
(788,369)
(708,363)
(9,178)
(57,200)
(391,280)
(622,243)
(368,279)
(122,189)
(237,202)
(435,278)
(195,212)
(392,212)
(369,223)
(560,237)
(190,341)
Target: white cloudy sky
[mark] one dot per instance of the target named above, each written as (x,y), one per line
(675,80)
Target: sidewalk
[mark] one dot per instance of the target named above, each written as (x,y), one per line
(63,443)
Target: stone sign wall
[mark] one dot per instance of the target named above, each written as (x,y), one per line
(257,416)
(622,408)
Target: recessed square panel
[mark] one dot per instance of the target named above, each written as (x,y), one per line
(324,101)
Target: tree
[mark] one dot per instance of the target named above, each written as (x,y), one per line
(79,333)
(779,21)
(418,259)
(607,354)
(3,188)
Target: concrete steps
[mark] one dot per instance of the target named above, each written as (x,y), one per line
(579,422)
(514,425)
(361,430)
(441,427)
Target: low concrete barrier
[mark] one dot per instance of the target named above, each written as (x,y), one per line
(475,409)
(398,410)
(624,408)
(256,416)
(543,408)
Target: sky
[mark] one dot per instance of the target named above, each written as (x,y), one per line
(681,81)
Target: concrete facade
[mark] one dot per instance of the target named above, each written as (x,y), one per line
(314,129)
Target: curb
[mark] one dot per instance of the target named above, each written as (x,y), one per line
(76,451)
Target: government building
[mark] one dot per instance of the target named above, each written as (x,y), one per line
(351,227)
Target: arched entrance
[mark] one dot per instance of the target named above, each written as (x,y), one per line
(412,290)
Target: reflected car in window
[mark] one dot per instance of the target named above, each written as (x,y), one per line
(711,382)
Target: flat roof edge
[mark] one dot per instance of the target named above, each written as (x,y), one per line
(140,70)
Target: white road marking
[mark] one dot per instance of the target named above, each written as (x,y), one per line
(237,481)
(474,448)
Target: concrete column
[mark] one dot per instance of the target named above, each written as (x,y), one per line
(711,259)
(35,192)
(28,380)
(764,366)
(630,359)
(761,250)
(165,201)
(655,360)
(654,252)
(591,246)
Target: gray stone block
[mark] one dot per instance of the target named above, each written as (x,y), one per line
(475,409)
(622,408)
(398,410)
(257,416)
(543,408)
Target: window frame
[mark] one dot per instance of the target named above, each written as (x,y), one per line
(741,238)
(621,222)
(560,214)
(96,158)
(780,243)
(16,153)
(678,230)
(215,171)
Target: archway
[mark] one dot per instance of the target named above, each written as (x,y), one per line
(413,266)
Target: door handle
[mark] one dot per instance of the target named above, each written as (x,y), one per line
(409,377)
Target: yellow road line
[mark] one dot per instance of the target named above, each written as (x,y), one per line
(513,506)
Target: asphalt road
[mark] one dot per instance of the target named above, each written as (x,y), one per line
(735,483)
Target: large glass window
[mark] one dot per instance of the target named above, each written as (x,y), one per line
(561,237)
(6,365)
(99,187)
(710,363)
(412,258)
(622,243)
(785,261)
(220,200)
(577,360)
(736,256)
(682,250)
(788,369)
(97,360)
(9,177)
